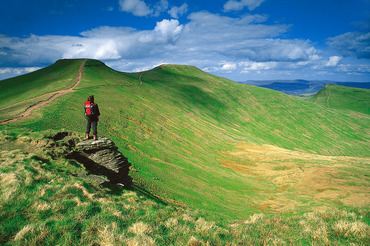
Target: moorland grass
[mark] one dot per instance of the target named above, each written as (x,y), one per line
(343,98)
(58,76)
(176,125)
(45,200)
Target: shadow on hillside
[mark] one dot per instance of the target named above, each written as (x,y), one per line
(116,182)
(199,97)
(191,92)
(142,191)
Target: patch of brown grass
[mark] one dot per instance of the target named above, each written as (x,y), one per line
(24,231)
(9,184)
(351,229)
(290,176)
(110,235)
(140,228)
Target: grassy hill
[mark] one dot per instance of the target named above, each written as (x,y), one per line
(344,98)
(60,75)
(202,141)
(21,92)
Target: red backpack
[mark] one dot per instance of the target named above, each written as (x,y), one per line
(89,108)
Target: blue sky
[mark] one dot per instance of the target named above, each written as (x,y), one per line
(237,39)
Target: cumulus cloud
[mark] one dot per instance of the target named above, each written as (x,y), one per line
(176,12)
(352,44)
(333,61)
(105,43)
(136,7)
(7,72)
(234,5)
(258,65)
(206,36)
(241,38)
(215,43)
(228,66)
(170,29)
(19,70)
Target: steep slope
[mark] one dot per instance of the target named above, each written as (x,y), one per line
(344,98)
(22,92)
(201,140)
(60,75)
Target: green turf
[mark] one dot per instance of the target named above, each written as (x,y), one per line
(344,98)
(46,199)
(60,75)
(175,126)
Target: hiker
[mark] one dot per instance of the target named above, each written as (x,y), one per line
(92,115)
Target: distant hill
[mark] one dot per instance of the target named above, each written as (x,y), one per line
(344,98)
(301,87)
(60,75)
(199,140)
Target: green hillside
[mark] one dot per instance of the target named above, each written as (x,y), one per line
(344,98)
(18,93)
(60,75)
(206,142)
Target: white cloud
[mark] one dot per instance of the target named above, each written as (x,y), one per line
(241,38)
(170,29)
(229,66)
(215,43)
(352,44)
(160,7)
(333,61)
(205,24)
(31,69)
(136,7)
(176,12)
(259,65)
(7,72)
(207,36)
(140,8)
(234,5)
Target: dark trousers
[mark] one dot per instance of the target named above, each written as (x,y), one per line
(94,122)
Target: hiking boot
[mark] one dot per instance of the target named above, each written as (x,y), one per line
(87,136)
(95,137)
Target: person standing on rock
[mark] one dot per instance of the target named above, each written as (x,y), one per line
(92,115)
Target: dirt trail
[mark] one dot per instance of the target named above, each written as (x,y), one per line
(140,78)
(53,95)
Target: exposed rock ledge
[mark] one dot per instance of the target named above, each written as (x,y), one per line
(101,157)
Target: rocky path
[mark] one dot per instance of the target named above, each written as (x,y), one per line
(53,96)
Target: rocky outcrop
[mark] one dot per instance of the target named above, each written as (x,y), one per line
(101,157)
